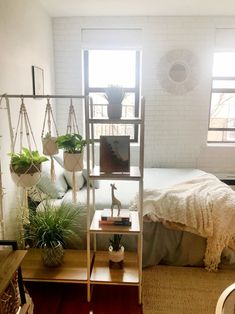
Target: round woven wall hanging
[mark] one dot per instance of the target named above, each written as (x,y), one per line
(179,71)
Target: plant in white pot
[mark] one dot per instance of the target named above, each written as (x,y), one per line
(51,228)
(114,95)
(73,146)
(50,145)
(116,251)
(25,167)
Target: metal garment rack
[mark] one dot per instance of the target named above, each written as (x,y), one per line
(43,96)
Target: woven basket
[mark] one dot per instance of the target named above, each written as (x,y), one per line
(53,257)
(9,301)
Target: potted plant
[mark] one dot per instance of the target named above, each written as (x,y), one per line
(50,145)
(51,228)
(116,251)
(25,167)
(73,146)
(114,95)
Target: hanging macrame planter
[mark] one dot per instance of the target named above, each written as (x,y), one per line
(25,166)
(49,142)
(73,144)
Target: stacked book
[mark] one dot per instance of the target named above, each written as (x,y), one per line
(123,219)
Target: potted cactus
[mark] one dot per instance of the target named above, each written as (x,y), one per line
(73,146)
(114,95)
(25,167)
(116,251)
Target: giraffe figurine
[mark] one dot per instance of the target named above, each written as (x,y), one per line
(115,201)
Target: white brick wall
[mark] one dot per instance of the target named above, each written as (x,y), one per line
(176,126)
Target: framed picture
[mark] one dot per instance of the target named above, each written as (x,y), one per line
(38,80)
(115,154)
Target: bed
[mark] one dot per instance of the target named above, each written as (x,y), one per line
(162,242)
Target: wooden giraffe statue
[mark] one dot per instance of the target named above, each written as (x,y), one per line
(115,201)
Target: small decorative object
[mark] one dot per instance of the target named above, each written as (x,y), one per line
(179,71)
(25,167)
(115,201)
(115,154)
(73,146)
(38,80)
(50,229)
(116,252)
(114,95)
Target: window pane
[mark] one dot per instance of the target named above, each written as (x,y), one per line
(223,84)
(222,112)
(221,136)
(112,67)
(224,64)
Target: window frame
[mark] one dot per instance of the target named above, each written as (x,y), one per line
(220,91)
(135,90)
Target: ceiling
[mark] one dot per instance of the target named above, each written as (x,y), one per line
(139,7)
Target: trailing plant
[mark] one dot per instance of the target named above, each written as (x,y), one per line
(71,143)
(52,225)
(25,159)
(115,242)
(114,94)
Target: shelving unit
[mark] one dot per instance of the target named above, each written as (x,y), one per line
(100,273)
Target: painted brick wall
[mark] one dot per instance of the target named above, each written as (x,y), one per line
(176,125)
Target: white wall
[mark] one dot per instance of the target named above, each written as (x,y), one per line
(176,126)
(26,39)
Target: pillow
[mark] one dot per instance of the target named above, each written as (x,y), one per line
(45,188)
(79,179)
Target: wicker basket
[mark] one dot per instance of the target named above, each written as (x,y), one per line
(9,300)
(53,257)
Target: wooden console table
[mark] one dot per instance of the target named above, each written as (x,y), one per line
(73,269)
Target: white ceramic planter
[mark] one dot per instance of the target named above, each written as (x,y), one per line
(73,162)
(50,146)
(27,179)
(116,256)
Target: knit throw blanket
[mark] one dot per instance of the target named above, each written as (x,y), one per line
(204,206)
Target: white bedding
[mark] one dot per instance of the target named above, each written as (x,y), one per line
(203,205)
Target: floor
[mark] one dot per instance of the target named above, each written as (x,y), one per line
(59,298)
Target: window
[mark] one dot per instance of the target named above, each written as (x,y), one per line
(113,67)
(222,110)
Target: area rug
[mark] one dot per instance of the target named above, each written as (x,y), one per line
(183,290)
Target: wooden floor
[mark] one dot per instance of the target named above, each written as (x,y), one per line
(61,298)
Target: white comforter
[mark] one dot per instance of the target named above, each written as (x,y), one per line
(203,205)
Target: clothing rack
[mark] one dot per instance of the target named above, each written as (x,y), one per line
(43,96)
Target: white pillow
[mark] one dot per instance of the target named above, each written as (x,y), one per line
(79,179)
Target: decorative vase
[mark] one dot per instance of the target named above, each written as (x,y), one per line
(50,146)
(114,111)
(73,161)
(116,256)
(53,256)
(27,177)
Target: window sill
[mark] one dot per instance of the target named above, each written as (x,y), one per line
(225,145)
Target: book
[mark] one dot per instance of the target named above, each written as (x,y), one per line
(114,223)
(124,215)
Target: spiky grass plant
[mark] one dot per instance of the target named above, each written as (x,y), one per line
(53,224)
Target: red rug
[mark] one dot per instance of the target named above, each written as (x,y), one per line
(59,298)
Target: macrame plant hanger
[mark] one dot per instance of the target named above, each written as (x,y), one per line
(50,146)
(23,125)
(72,128)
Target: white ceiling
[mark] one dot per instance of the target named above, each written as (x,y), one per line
(139,7)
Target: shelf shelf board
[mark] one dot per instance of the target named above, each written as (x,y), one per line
(9,263)
(73,269)
(133,229)
(132,120)
(102,274)
(134,174)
